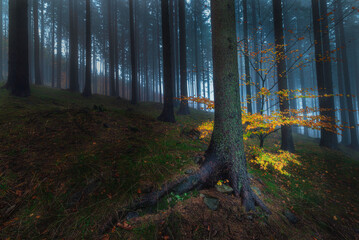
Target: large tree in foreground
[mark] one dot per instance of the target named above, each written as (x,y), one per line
(167,114)
(18,79)
(225,157)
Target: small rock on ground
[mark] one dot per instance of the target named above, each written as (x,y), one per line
(290,216)
(224,188)
(131,215)
(211,202)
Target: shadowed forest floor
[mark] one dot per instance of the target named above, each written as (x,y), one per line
(67,163)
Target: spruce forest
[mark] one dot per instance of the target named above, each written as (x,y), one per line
(179,119)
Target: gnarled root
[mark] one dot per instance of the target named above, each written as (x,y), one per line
(206,176)
(250,200)
(196,180)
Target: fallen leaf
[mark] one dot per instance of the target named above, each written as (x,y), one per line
(125,226)
(105,237)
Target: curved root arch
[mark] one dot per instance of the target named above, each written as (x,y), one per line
(210,171)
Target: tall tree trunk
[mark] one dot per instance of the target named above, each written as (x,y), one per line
(173,46)
(74,64)
(59,44)
(184,109)
(42,43)
(328,139)
(196,49)
(304,100)
(167,114)
(133,56)
(246,57)
(160,79)
(18,78)
(111,49)
(87,89)
(1,41)
(94,67)
(177,54)
(347,84)
(255,50)
(286,131)
(123,57)
(208,83)
(38,80)
(226,147)
(53,47)
(137,12)
(288,41)
(324,79)
(145,55)
(343,114)
(115,27)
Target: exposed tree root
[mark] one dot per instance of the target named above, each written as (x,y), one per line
(206,176)
(250,200)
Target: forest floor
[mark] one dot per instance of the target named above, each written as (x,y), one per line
(66,166)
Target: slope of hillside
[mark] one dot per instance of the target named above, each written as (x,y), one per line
(67,163)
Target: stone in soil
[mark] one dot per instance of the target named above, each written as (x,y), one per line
(131,215)
(211,202)
(290,216)
(224,188)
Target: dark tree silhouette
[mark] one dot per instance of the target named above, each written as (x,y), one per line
(246,56)
(74,62)
(255,50)
(111,49)
(18,79)
(167,114)
(323,70)
(87,89)
(38,79)
(346,76)
(133,55)
(184,109)
(328,138)
(1,41)
(286,131)
(59,43)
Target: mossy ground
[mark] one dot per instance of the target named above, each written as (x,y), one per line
(55,145)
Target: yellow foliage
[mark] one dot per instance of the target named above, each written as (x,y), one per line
(265,124)
(205,129)
(276,161)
